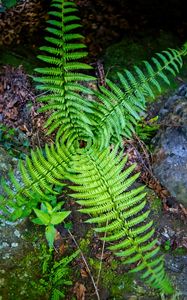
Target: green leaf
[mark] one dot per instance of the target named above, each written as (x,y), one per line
(37,221)
(26,212)
(50,235)
(58,206)
(43,216)
(17,214)
(58,217)
(9,3)
(49,207)
(68,225)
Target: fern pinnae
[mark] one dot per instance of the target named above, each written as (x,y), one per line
(38,175)
(125,226)
(64,74)
(131,97)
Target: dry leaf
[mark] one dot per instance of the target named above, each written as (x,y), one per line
(59,243)
(79,290)
(84,274)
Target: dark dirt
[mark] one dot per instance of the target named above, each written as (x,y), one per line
(18,106)
(104,22)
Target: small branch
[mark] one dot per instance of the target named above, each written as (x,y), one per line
(86,264)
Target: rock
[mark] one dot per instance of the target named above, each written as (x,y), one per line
(176,267)
(170,155)
(128,52)
(20,249)
(6,162)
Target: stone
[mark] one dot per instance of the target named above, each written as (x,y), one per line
(6,162)
(19,248)
(176,267)
(170,154)
(128,52)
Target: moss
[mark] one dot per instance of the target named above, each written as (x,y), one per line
(112,277)
(23,266)
(154,201)
(18,283)
(129,52)
(24,56)
(156,205)
(118,285)
(86,242)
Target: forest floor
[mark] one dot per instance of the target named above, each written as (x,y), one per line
(18,112)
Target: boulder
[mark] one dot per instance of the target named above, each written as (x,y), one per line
(170,154)
(20,249)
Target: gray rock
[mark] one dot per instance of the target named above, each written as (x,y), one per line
(170,154)
(19,249)
(6,162)
(176,267)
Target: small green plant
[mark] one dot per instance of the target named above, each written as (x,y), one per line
(56,275)
(60,276)
(6,4)
(147,129)
(49,217)
(167,246)
(87,154)
(9,140)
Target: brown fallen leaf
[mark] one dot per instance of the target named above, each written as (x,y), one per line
(59,244)
(84,274)
(79,290)
(102,256)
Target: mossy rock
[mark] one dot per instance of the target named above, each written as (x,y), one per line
(129,52)
(24,56)
(21,251)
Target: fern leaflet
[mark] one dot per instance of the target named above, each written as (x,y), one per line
(103,189)
(68,107)
(119,109)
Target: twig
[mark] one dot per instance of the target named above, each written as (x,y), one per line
(86,264)
(144,149)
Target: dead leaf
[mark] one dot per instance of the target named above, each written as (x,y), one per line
(79,290)
(59,244)
(84,274)
(102,256)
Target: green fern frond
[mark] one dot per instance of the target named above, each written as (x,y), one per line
(102,188)
(60,79)
(120,107)
(39,174)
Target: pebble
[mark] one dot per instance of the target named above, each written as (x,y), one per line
(14,245)
(4,245)
(17,233)
(6,256)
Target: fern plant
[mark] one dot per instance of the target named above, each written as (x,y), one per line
(55,275)
(88,148)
